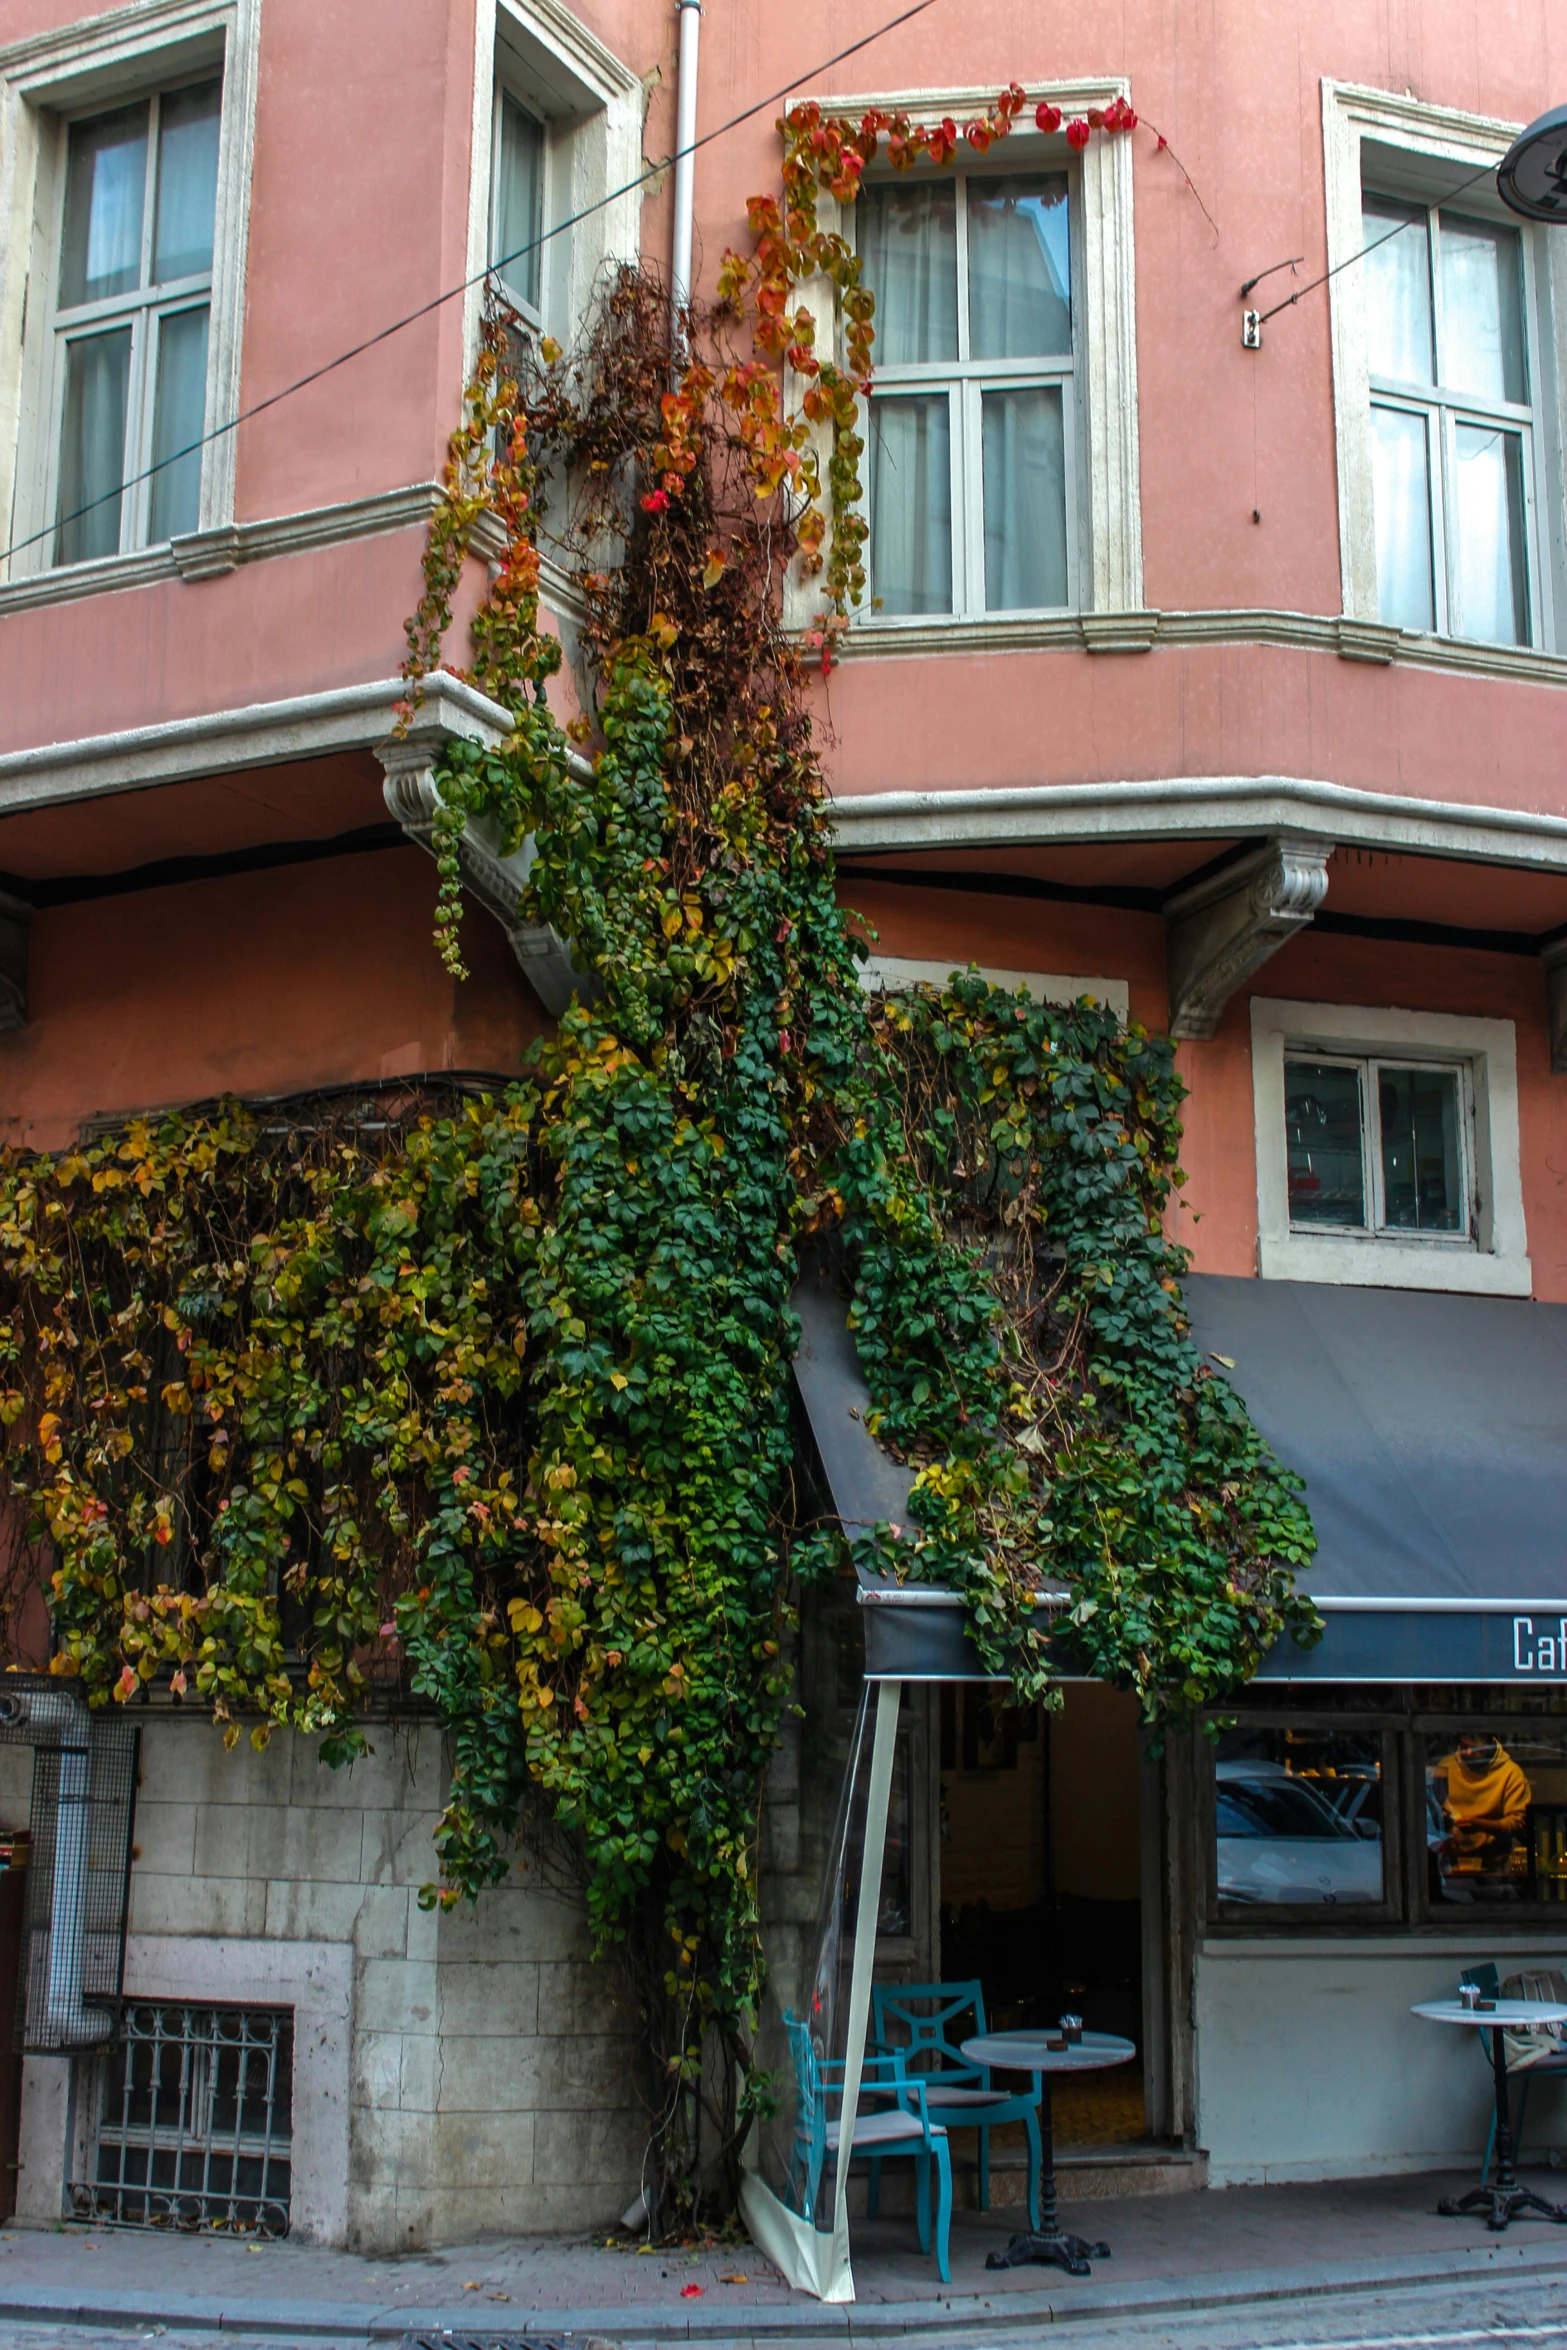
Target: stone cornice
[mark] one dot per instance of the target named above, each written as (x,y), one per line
(1184,807)
(348,718)
(1147,631)
(207,554)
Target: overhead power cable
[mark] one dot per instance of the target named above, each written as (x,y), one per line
(465,285)
(1486,171)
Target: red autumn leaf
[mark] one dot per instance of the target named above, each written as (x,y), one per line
(1077,133)
(656,502)
(1048,117)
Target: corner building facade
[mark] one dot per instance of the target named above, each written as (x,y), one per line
(1226,684)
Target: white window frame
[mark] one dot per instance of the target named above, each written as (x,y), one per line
(1379,144)
(965,380)
(591,106)
(533,312)
(1491,1259)
(46,80)
(1369,1068)
(1104,518)
(143,310)
(1443,410)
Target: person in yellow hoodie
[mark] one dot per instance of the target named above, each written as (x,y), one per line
(1486,1798)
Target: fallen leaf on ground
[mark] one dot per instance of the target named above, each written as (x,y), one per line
(472,2286)
(737,2279)
(689,2292)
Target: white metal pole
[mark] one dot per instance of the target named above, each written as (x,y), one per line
(889,1696)
(690,13)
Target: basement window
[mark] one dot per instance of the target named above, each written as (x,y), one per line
(190,2120)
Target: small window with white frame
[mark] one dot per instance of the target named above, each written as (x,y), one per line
(1378,1146)
(1452,421)
(970,436)
(131,304)
(1387,1148)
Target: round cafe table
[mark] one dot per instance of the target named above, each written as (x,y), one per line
(1506,2199)
(1041,2053)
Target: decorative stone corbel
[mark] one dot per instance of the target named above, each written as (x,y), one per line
(496,881)
(1553,957)
(1218,932)
(16,925)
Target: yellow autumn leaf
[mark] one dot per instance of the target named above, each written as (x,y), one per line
(618,1379)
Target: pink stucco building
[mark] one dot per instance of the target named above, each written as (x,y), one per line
(1228,684)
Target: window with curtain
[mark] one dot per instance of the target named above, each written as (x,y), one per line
(1452,422)
(969,430)
(132,308)
(518,155)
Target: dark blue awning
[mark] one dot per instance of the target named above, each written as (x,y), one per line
(1431,1431)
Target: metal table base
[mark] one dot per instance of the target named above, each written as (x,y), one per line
(1506,2199)
(1046,2244)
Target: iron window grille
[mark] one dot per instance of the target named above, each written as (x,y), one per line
(191,2120)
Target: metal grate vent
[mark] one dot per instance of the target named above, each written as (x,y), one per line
(194,2120)
(83,1802)
(438,2339)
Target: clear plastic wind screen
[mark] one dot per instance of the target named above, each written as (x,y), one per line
(805,2022)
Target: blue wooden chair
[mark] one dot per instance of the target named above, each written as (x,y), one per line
(903,2127)
(924,2023)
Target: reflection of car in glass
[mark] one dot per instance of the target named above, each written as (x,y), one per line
(1280,1840)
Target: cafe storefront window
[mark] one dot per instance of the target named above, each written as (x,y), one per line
(1496,1815)
(1443,1806)
(1300,1824)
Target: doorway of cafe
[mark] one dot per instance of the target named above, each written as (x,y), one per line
(1040,1863)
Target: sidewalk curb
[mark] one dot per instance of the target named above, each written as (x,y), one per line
(959,2319)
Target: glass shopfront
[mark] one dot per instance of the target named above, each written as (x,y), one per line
(1331,1809)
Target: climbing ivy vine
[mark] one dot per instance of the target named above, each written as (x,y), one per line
(481,1397)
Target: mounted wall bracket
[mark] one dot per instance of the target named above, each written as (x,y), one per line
(16,927)
(1223,929)
(449,709)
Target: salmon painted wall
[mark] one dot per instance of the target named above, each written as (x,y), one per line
(360,206)
(273,982)
(1217,1215)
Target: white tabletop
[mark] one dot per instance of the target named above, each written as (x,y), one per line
(1030,2052)
(1507,2014)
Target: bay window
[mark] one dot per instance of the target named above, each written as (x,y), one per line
(970,426)
(1452,423)
(131,309)
(519,153)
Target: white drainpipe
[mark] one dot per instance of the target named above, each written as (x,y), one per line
(58,1718)
(690,14)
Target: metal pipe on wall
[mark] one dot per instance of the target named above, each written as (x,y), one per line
(690,14)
